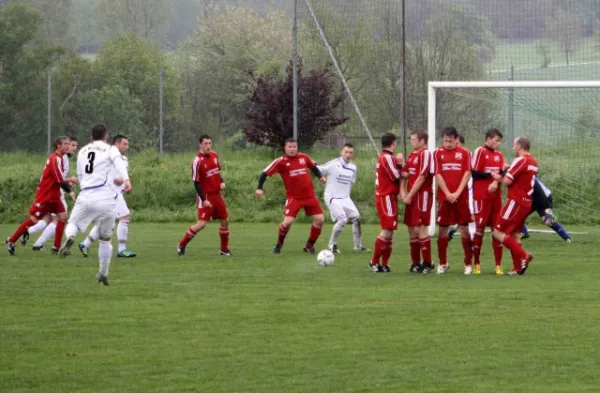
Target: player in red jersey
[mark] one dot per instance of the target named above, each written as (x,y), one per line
(387,188)
(487,166)
(418,201)
(206,175)
(452,168)
(48,196)
(294,169)
(519,180)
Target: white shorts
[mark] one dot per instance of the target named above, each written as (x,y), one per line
(121,207)
(102,213)
(341,207)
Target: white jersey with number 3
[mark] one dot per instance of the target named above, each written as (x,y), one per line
(95,165)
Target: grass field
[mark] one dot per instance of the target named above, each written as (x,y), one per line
(256,322)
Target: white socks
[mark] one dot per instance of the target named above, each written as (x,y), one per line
(92,237)
(46,235)
(104,256)
(337,230)
(41,224)
(357,232)
(122,232)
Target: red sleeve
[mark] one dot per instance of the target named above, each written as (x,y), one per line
(196,169)
(425,163)
(56,169)
(309,162)
(467,160)
(435,163)
(476,161)
(273,167)
(518,165)
(391,166)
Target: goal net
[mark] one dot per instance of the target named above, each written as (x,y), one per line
(562,119)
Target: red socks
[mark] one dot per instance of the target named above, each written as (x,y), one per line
(314,235)
(386,252)
(415,251)
(224,235)
(516,250)
(497,246)
(283,231)
(25,225)
(426,249)
(378,250)
(477,244)
(468,249)
(189,235)
(443,250)
(58,233)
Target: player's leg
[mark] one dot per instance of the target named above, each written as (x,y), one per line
(313,209)
(445,218)
(106,224)
(354,217)
(40,226)
(36,210)
(561,231)
(339,217)
(411,219)
(512,217)
(284,228)
(204,214)
(47,234)
(463,218)
(124,217)
(497,247)
(482,209)
(81,216)
(387,209)
(84,246)
(424,204)
(220,213)
(524,232)
(61,224)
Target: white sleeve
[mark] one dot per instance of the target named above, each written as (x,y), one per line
(117,159)
(355,176)
(325,168)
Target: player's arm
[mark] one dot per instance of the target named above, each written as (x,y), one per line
(463,182)
(517,167)
(424,170)
(270,170)
(437,172)
(325,168)
(58,175)
(390,164)
(314,168)
(117,159)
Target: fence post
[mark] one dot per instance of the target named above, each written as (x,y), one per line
(295,68)
(511,115)
(160,111)
(49,137)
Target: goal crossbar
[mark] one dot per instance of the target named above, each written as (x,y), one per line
(431,106)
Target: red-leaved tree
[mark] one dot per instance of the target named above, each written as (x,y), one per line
(270,118)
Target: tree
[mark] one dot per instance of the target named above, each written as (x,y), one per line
(270,115)
(56,22)
(565,29)
(543,49)
(588,124)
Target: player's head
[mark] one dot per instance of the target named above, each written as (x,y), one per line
(449,137)
(522,145)
(347,152)
(461,140)
(74,144)
(121,142)
(493,138)
(205,146)
(291,147)
(418,138)
(62,145)
(388,141)
(99,133)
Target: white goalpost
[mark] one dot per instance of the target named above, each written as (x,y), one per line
(434,86)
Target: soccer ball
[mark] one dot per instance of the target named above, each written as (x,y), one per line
(325,258)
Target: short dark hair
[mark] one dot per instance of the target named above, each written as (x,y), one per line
(118,138)
(421,134)
(59,141)
(290,140)
(72,138)
(99,132)
(387,139)
(203,137)
(450,131)
(492,133)
(524,142)
(350,145)
(461,138)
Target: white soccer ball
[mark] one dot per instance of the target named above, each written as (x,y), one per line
(325,258)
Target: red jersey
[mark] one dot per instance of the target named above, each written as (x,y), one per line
(522,172)
(486,160)
(387,175)
(452,166)
(419,164)
(206,170)
(49,190)
(295,172)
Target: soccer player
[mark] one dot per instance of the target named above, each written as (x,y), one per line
(487,165)
(519,180)
(454,228)
(452,168)
(97,199)
(123,214)
(341,175)
(48,224)
(542,204)
(418,201)
(209,184)
(48,196)
(294,169)
(387,188)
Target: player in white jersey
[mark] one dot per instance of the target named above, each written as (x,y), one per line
(123,214)
(98,198)
(341,175)
(48,223)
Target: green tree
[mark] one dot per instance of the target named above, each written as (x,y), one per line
(565,29)
(588,124)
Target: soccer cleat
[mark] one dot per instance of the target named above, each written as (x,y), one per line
(477,269)
(426,267)
(513,273)
(415,268)
(10,246)
(334,249)
(126,254)
(85,251)
(569,240)
(375,268)
(277,249)
(102,278)
(66,248)
(56,250)
(468,270)
(360,248)
(443,268)
(498,270)
(40,248)
(524,236)
(310,250)
(25,238)
(386,269)
(180,251)
(225,253)
(525,264)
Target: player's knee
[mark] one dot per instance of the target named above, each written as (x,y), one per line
(225,223)
(199,225)
(318,220)
(342,221)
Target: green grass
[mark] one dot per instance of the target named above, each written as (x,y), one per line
(262,323)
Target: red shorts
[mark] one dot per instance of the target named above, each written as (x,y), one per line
(454,213)
(311,207)
(387,209)
(487,212)
(513,217)
(218,210)
(39,210)
(419,211)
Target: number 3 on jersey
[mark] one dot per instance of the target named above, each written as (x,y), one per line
(89,168)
